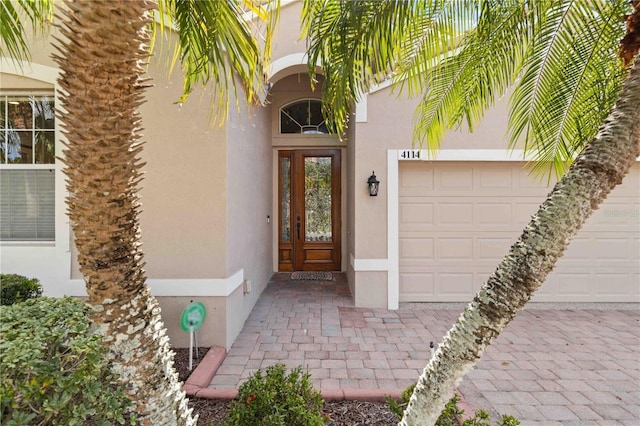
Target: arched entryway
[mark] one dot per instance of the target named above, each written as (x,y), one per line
(308,162)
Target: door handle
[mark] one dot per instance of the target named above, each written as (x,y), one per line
(298,227)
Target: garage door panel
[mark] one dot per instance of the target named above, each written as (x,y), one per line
(455,284)
(442,211)
(485,247)
(448,213)
(570,285)
(417,283)
(613,284)
(492,248)
(524,211)
(417,248)
(492,214)
(417,177)
(456,232)
(597,249)
(613,215)
(492,179)
(579,249)
(537,187)
(454,179)
(421,213)
(455,248)
(613,248)
(573,284)
(630,187)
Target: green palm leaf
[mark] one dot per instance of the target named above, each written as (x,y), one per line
(13,15)
(464,84)
(356,44)
(558,57)
(217,43)
(570,81)
(431,39)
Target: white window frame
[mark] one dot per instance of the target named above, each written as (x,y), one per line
(53,167)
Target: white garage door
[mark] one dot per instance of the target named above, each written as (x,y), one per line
(457,221)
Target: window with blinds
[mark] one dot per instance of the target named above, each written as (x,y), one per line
(27,205)
(27,174)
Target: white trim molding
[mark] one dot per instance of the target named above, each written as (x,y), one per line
(475,155)
(362,109)
(208,287)
(362,265)
(393,241)
(287,62)
(32,70)
(216,287)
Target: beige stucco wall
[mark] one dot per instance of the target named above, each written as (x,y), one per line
(184,196)
(371,289)
(41,47)
(286,40)
(250,224)
(352,188)
(390,124)
(212,331)
(11,82)
(183,193)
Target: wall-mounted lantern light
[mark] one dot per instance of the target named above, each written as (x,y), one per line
(374,184)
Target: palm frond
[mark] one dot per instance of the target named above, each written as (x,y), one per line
(13,16)
(463,84)
(355,43)
(433,38)
(570,81)
(217,44)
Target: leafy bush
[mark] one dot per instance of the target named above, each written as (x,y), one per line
(16,288)
(54,369)
(398,407)
(451,412)
(277,399)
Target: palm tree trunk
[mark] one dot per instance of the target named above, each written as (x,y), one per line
(102,62)
(601,166)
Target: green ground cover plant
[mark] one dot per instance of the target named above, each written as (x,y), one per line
(452,415)
(277,399)
(54,369)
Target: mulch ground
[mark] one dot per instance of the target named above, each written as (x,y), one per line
(347,413)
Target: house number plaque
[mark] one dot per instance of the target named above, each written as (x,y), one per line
(412,154)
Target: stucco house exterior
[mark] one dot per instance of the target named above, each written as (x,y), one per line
(225,207)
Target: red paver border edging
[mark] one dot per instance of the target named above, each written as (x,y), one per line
(198,381)
(197,384)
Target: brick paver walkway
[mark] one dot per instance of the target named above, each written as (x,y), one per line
(579,366)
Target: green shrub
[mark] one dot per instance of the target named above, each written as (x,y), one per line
(277,399)
(398,407)
(16,288)
(451,412)
(53,369)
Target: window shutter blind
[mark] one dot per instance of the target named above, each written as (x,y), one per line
(27,205)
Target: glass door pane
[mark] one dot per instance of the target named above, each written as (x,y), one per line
(317,198)
(285,199)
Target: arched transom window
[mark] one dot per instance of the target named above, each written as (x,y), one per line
(303,117)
